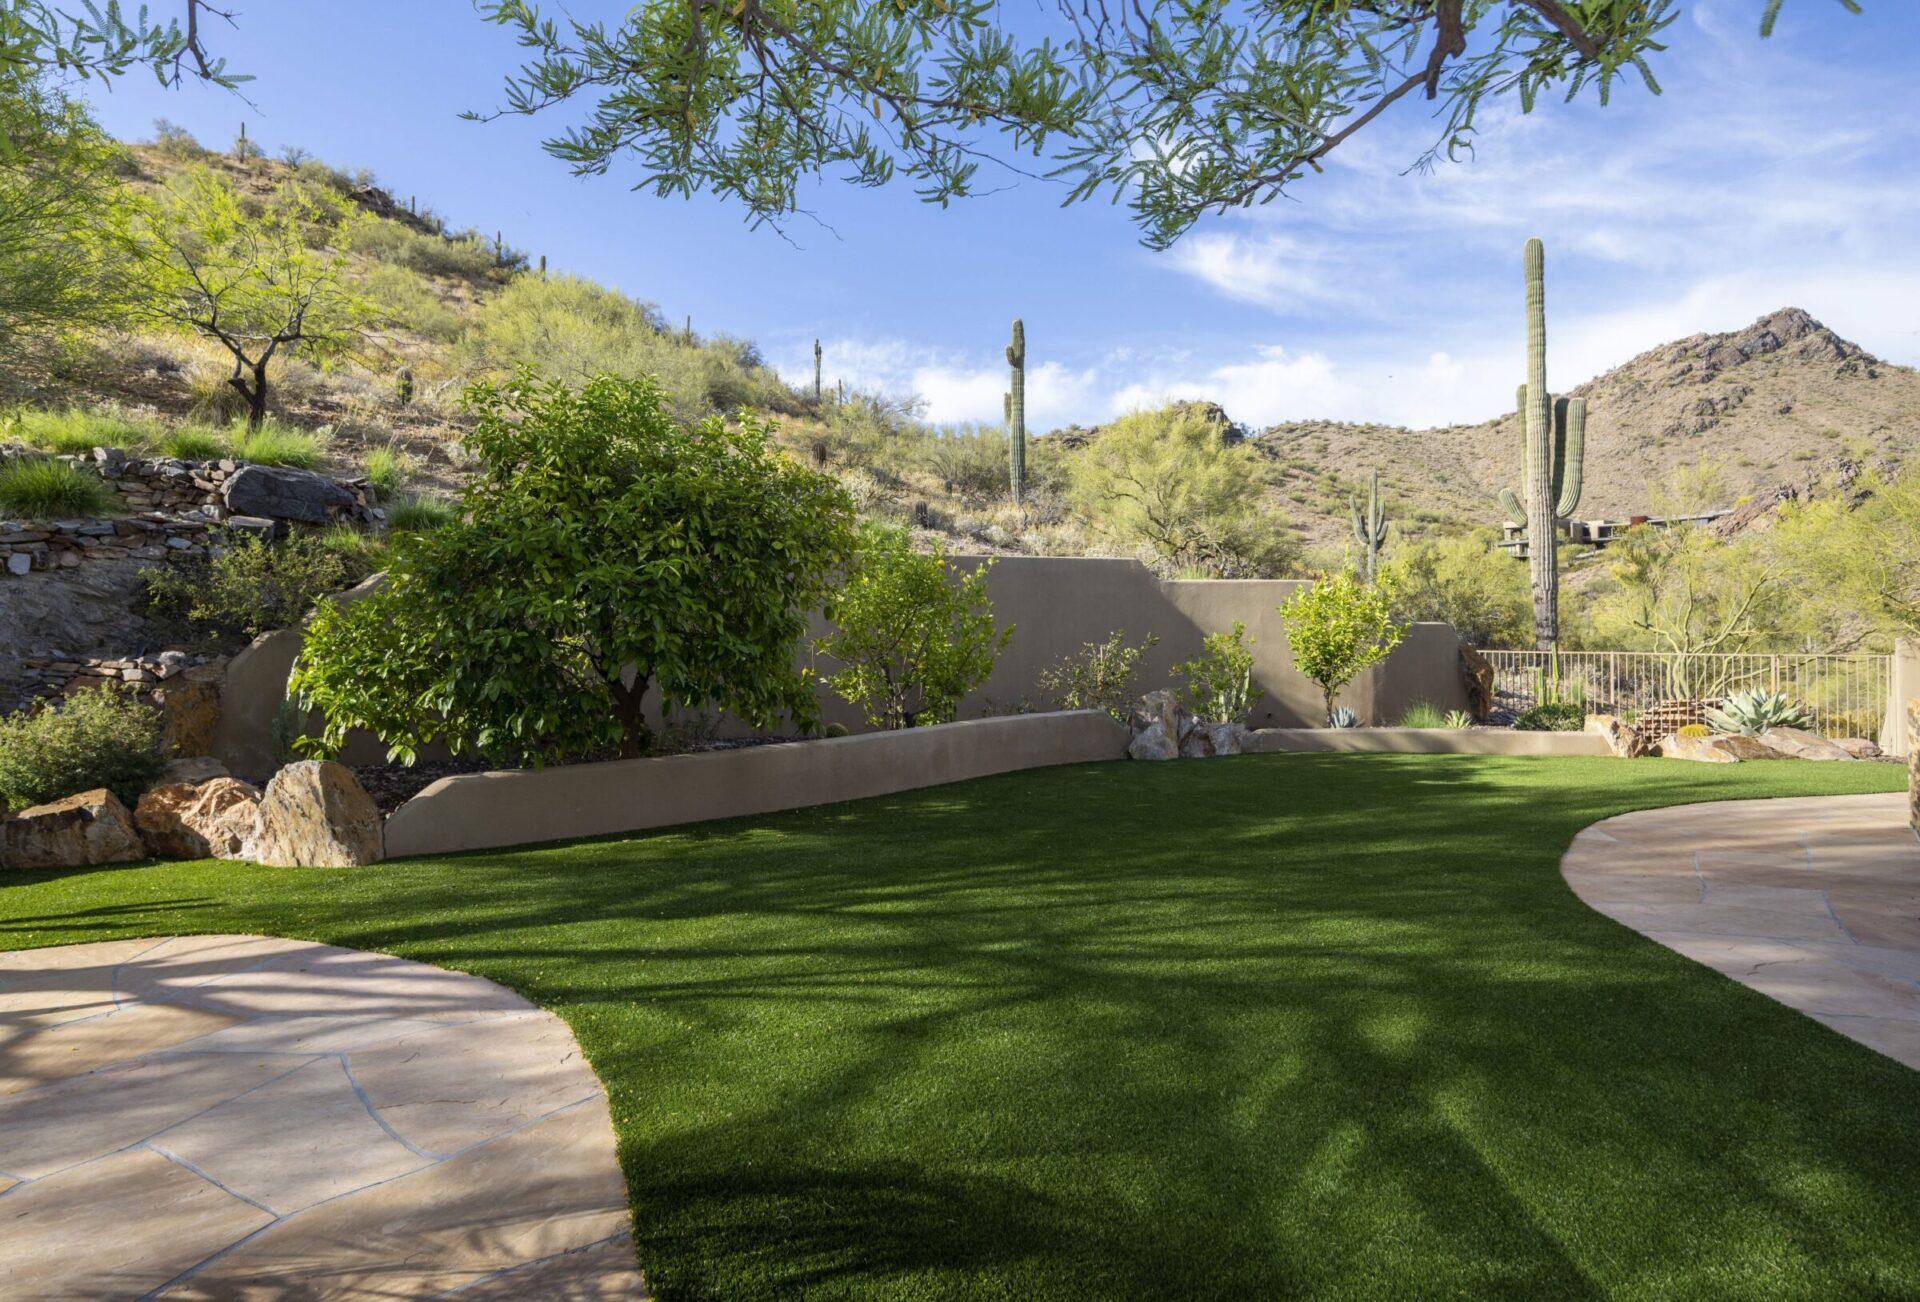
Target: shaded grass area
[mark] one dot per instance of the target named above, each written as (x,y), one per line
(1282,1025)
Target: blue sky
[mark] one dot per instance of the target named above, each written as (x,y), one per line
(1769,173)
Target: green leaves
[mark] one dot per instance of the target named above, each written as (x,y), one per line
(1219,686)
(605,551)
(913,634)
(1339,627)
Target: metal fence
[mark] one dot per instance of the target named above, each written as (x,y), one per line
(1847,693)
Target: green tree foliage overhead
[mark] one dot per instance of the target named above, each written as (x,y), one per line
(1339,627)
(1465,582)
(101,41)
(913,634)
(250,280)
(1179,107)
(604,551)
(60,223)
(1168,480)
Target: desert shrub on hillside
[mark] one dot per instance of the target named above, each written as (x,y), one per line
(405,298)
(175,141)
(251,587)
(1167,480)
(75,430)
(467,255)
(388,469)
(275,444)
(104,737)
(1465,582)
(972,463)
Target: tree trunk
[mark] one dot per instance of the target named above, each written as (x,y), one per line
(255,394)
(636,738)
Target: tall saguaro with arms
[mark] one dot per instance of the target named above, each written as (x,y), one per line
(1017,411)
(1554,437)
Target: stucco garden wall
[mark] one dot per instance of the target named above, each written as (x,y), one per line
(478,811)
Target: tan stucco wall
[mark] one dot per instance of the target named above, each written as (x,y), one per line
(484,810)
(1056,604)
(1426,741)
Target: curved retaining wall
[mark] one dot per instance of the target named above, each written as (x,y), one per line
(478,811)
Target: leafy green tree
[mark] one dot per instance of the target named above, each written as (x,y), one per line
(913,634)
(1338,627)
(1465,582)
(1851,566)
(1182,108)
(61,218)
(251,586)
(603,551)
(100,42)
(1099,677)
(1168,480)
(254,284)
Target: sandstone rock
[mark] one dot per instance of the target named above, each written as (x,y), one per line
(194,770)
(1797,743)
(283,493)
(315,814)
(1622,738)
(1477,672)
(1858,747)
(90,828)
(1153,742)
(1721,748)
(215,819)
(190,710)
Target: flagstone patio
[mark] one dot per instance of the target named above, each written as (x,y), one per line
(1814,902)
(241,1116)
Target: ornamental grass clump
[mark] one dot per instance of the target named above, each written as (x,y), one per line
(35,489)
(102,737)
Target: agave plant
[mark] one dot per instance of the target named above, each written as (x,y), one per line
(1754,712)
(1342,717)
(1458,719)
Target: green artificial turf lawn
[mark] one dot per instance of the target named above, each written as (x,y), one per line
(1271,1026)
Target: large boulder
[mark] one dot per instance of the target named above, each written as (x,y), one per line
(315,814)
(1154,742)
(193,770)
(80,831)
(1154,725)
(1476,673)
(1623,739)
(1225,738)
(190,709)
(215,819)
(283,493)
(1858,747)
(1720,748)
(1798,743)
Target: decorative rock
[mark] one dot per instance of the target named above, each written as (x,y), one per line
(80,831)
(1153,742)
(19,563)
(1196,744)
(1226,738)
(1797,743)
(1622,739)
(194,770)
(190,710)
(215,819)
(1721,748)
(1161,707)
(283,493)
(316,815)
(1858,747)
(1476,671)
(254,526)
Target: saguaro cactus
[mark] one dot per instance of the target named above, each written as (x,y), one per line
(1369,530)
(816,372)
(403,385)
(1017,410)
(1554,440)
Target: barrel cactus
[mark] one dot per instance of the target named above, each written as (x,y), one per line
(1554,439)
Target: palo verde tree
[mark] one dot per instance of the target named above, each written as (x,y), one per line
(1180,108)
(252,283)
(101,41)
(603,552)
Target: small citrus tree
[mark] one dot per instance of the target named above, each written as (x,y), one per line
(913,640)
(1339,627)
(602,550)
(1219,686)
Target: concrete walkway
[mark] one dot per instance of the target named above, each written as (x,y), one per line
(1814,902)
(244,1117)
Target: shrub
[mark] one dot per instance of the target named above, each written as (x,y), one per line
(193,443)
(1339,627)
(75,431)
(467,256)
(174,140)
(1467,583)
(388,469)
(603,552)
(105,737)
(1695,731)
(251,586)
(1755,711)
(913,640)
(1342,717)
(406,298)
(418,514)
(40,489)
(1219,686)
(1457,719)
(1100,677)
(973,464)
(274,444)
(1552,716)
(1423,714)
